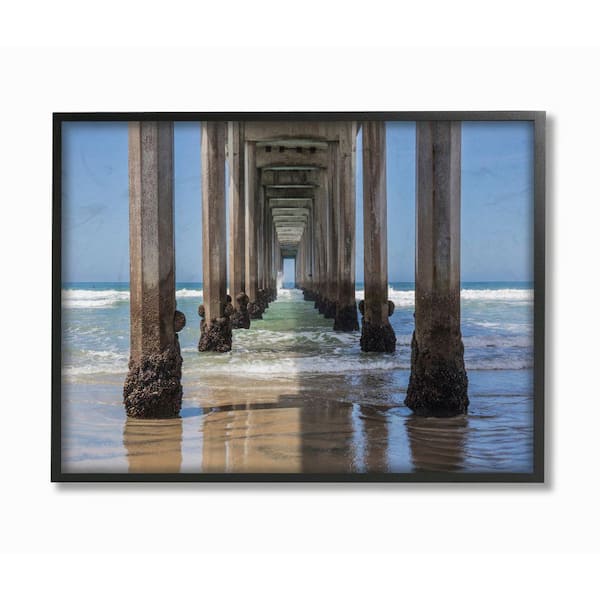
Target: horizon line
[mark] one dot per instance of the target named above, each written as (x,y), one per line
(358,282)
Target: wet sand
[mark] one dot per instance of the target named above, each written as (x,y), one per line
(317,424)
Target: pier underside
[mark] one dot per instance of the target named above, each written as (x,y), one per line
(291,194)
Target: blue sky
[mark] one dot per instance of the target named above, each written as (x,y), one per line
(497,202)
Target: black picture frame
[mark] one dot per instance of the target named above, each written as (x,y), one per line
(538,118)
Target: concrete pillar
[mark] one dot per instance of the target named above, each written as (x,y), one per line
(260,239)
(298,262)
(333,232)
(308,285)
(300,265)
(377,333)
(262,299)
(312,266)
(346,318)
(269,292)
(153,385)
(278,261)
(322,218)
(272,274)
(215,327)
(438,380)
(251,237)
(237,242)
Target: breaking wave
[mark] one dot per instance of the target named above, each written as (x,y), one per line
(109,298)
(405,298)
(242,363)
(496,327)
(401,298)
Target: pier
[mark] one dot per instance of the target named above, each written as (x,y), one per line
(291,195)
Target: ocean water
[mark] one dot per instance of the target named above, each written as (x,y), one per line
(295,396)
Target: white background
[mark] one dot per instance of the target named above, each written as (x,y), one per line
(359,541)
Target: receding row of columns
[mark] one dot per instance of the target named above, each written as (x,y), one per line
(320,203)
(327,270)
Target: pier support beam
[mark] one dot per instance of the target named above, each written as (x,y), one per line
(260,248)
(321,206)
(438,380)
(237,245)
(153,385)
(251,223)
(346,318)
(332,242)
(377,333)
(215,328)
(309,267)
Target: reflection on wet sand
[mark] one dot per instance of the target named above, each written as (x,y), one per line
(375,431)
(310,424)
(153,446)
(437,444)
(280,429)
(315,424)
(251,441)
(327,428)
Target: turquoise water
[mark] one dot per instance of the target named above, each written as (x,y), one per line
(292,361)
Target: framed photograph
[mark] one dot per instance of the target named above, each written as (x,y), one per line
(298,297)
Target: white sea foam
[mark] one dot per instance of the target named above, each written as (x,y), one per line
(93,298)
(401,298)
(301,365)
(109,298)
(406,298)
(287,294)
(501,295)
(95,362)
(185,293)
(73,372)
(100,363)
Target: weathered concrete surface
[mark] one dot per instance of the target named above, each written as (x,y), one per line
(240,318)
(216,337)
(152,388)
(377,333)
(216,334)
(251,222)
(178,321)
(308,294)
(255,310)
(153,385)
(260,236)
(330,308)
(289,177)
(237,230)
(346,318)
(293,133)
(321,204)
(438,380)
(376,338)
